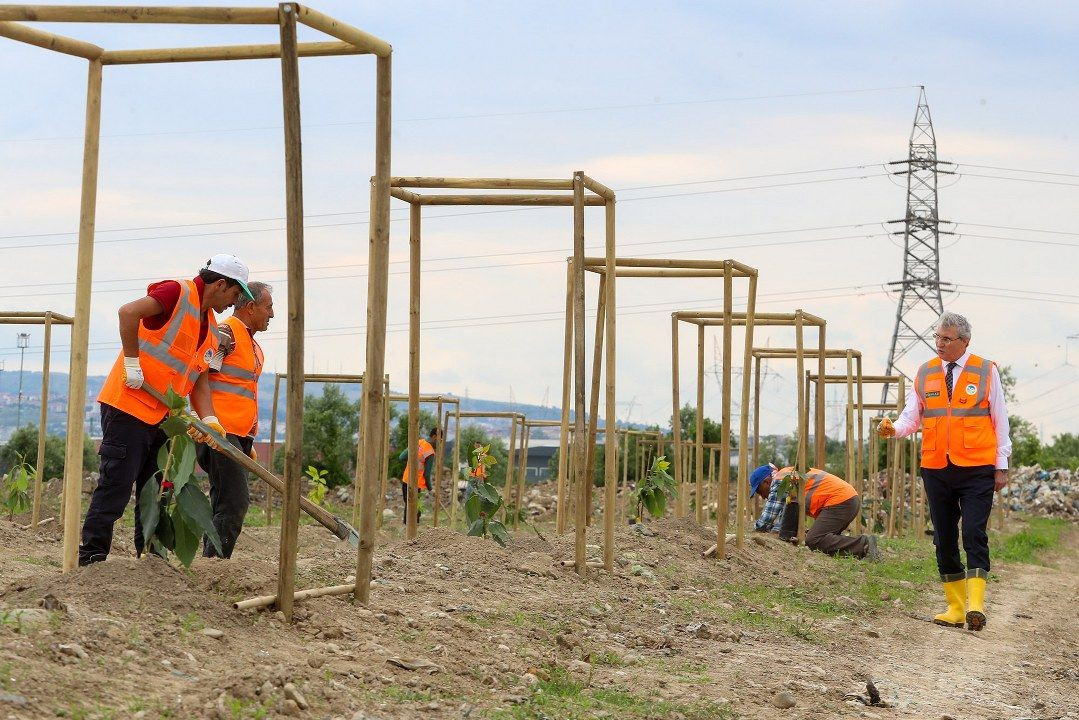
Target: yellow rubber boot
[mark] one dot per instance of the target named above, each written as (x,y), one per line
(955,590)
(976,592)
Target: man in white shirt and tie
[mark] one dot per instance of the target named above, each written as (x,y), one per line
(958,401)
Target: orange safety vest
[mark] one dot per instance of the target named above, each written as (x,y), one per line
(424,450)
(234,387)
(960,430)
(822,490)
(170,356)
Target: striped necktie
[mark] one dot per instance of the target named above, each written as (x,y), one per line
(948,379)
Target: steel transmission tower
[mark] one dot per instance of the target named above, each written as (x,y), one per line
(920,290)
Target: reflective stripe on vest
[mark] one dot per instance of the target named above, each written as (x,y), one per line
(822,490)
(234,388)
(959,429)
(424,450)
(171,357)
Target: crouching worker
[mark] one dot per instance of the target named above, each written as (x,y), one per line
(833,503)
(234,386)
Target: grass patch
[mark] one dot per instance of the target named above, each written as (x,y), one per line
(564,698)
(1031,544)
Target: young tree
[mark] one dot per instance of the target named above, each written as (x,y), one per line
(472,434)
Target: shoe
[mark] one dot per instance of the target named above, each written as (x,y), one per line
(956,593)
(976,592)
(95,558)
(872,550)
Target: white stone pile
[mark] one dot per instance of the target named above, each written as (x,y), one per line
(1049,493)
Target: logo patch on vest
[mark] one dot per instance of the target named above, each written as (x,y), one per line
(971,389)
(935,393)
(210,353)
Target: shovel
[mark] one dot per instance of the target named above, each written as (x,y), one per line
(324,517)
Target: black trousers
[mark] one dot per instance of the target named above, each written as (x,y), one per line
(960,498)
(128,459)
(419,502)
(229,494)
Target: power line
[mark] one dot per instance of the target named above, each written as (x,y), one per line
(1008,169)
(1020,229)
(1018,179)
(479,116)
(487,212)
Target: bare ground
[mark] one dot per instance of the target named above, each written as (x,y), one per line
(774,618)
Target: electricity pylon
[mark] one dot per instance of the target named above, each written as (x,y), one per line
(920,290)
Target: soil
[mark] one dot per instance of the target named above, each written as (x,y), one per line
(477,618)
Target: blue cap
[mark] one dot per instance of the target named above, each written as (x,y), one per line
(759,475)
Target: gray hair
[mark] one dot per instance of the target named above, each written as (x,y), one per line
(957,321)
(258,289)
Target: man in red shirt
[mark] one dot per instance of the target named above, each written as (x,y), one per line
(168,338)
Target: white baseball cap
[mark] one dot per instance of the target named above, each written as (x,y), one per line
(231,267)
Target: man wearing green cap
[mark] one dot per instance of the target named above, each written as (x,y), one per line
(169,337)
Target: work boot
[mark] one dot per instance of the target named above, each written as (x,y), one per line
(872,550)
(976,591)
(955,590)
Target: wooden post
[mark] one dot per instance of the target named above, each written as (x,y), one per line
(756,408)
(440,458)
(507,486)
(456,463)
(821,388)
(522,473)
(610,438)
(741,497)
(860,464)
(723,508)
(413,369)
(384,457)
(361,461)
(290,513)
(895,472)
(593,405)
(378,272)
(914,482)
(273,444)
(625,476)
(581,472)
(80,330)
(676,423)
(39,467)
(802,409)
(563,435)
(698,444)
(850,439)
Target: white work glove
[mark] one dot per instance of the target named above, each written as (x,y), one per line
(132,373)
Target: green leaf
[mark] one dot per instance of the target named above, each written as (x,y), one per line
(498,532)
(489,461)
(175,402)
(472,507)
(162,456)
(164,532)
(149,508)
(187,540)
(183,466)
(198,514)
(174,426)
(488,493)
(478,527)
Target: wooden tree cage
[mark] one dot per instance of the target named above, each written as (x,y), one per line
(348,40)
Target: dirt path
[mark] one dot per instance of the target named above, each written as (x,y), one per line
(1025,664)
(670,635)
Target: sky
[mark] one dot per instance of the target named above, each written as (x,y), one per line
(754,131)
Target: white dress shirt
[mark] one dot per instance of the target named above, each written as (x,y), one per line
(911,418)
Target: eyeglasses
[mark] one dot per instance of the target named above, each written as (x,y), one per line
(944,339)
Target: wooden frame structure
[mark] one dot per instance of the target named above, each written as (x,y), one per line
(855,394)
(522,464)
(641,456)
(578,192)
(48,318)
(609,269)
(516,420)
(436,481)
(798,320)
(347,40)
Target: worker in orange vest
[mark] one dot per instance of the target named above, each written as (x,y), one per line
(234,376)
(168,338)
(425,454)
(958,402)
(833,503)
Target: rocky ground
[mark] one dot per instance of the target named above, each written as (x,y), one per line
(460,628)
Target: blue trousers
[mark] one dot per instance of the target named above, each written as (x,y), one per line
(960,500)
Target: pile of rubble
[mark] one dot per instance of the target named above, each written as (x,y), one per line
(1052,493)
